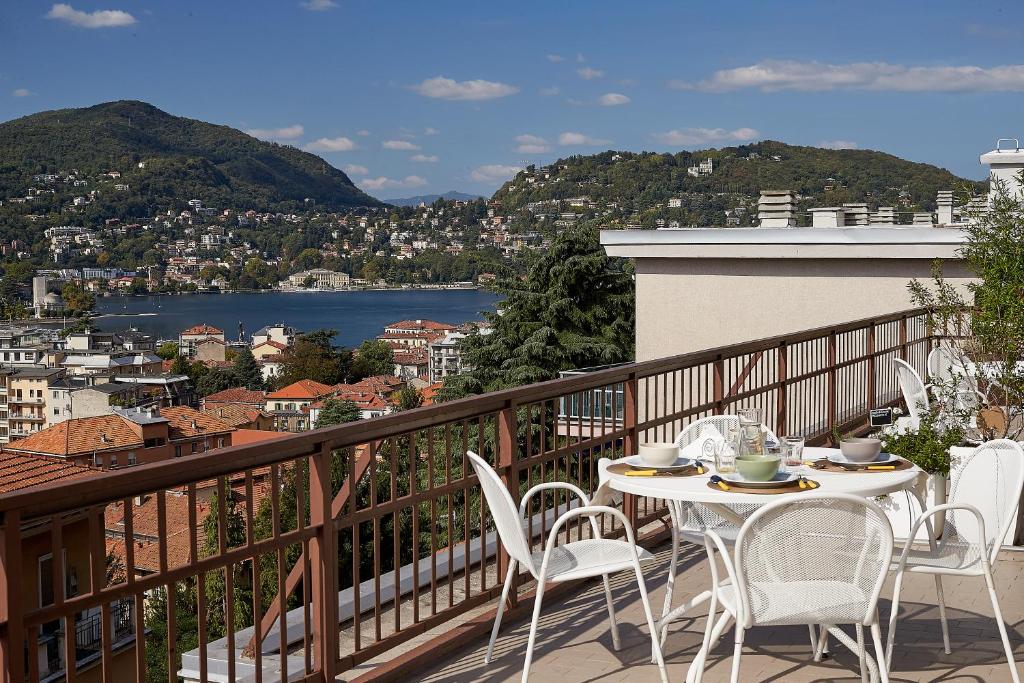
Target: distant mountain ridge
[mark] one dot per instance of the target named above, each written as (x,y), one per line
(431,198)
(171,158)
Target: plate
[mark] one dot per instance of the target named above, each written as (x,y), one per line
(780,479)
(635,462)
(883,459)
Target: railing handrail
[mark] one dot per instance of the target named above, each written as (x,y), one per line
(74,495)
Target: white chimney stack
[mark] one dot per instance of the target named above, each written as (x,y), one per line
(828,217)
(855,214)
(1004,163)
(775,209)
(945,207)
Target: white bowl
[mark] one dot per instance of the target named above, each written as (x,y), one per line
(860,450)
(658,454)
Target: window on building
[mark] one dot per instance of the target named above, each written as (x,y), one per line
(221,442)
(177,451)
(195,447)
(56,410)
(113,461)
(131,458)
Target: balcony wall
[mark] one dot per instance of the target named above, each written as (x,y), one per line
(376,531)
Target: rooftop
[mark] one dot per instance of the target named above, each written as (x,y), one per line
(304,389)
(19,471)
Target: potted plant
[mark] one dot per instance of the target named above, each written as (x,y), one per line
(932,444)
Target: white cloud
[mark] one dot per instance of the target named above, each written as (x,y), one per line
(339,144)
(447,89)
(548,92)
(363,133)
(399,145)
(770,76)
(838,144)
(383,182)
(554,59)
(493,173)
(101,18)
(588,74)
(430,131)
(683,137)
(574,139)
(532,144)
(286,133)
(21,92)
(613,99)
(319,5)
(424,158)
(355,169)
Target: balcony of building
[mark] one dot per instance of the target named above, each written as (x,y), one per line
(365,552)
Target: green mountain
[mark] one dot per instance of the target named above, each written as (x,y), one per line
(167,160)
(640,184)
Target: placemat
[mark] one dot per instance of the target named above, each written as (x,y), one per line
(688,471)
(826,465)
(792,487)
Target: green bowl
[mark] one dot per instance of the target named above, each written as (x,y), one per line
(758,467)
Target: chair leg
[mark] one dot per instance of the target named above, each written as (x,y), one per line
(876,636)
(942,614)
(737,652)
(862,655)
(822,647)
(501,610)
(533,630)
(611,612)
(814,640)
(894,612)
(700,661)
(650,620)
(671,582)
(1002,627)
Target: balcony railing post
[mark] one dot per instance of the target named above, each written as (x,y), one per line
(506,461)
(323,554)
(781,422)
(832,389)
(630,411)
(11,594)
(871,388)
(719,386)
(903,337)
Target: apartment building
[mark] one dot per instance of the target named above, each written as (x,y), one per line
(290,405)
(27,392)
(320,279)
(189,339)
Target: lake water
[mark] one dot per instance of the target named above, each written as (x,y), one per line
(357,315)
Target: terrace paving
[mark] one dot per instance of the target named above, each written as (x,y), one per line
(574,643)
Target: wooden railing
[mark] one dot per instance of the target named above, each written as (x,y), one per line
(375,531)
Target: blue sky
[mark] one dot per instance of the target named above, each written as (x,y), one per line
(417,97)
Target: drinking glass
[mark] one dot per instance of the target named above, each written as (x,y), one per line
(725,451)
(792,451)
(751,436)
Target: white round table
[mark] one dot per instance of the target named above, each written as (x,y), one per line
(695,489)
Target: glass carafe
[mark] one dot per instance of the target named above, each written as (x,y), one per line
(751,434)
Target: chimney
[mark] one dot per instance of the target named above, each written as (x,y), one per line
(828,217)
(1004,163)
(855,214)
(922,219)
(775,209)
(885,215)
(945,207)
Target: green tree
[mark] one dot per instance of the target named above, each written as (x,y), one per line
(574,309)
(373,357)
(77,300)
(215,380)
(246,371)
(168,350)
(337,411)
(408,398)
(312,356)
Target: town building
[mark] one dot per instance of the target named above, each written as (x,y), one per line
(289,405)
(280,333)
(189,339)
(319,278)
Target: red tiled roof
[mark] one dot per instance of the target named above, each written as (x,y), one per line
(247,436)
(80,436)
(22,471)
(380,384)
(234,414)
(270,342)
(181,418)
(303,389)
(419,325)
(237,395)
(416,355)
(202,328)
(429,392)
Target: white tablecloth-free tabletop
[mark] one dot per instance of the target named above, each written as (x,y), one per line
(695,489)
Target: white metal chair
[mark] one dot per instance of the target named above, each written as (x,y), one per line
(816,558)
(915,391)
(946,367)
(982,505)
(586,558)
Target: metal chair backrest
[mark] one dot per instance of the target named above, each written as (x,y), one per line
(714,427)
(834,547)
(912,386)
(504,511)
(991,479)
